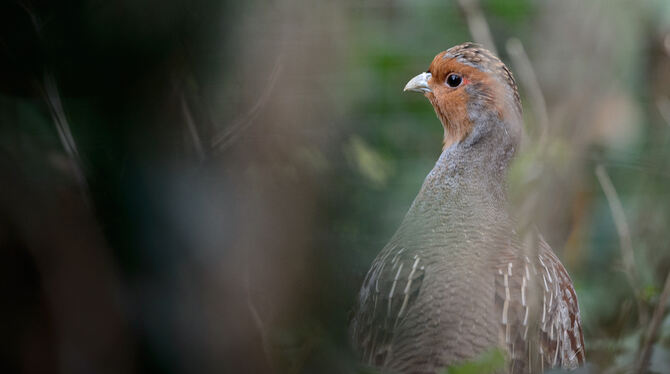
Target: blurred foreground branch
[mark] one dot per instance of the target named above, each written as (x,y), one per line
(653,329)
(627,254)
(52,98)
(192,129)
(225,138)
(477,24)
(258,321)
(663,104)
(529,80)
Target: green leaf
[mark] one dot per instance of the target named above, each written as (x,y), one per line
(489,362)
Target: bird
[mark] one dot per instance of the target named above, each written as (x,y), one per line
(458,278)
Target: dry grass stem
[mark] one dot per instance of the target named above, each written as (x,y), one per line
(477,24)
(627,253)
(192,129)
(52,98)
(663,105)
(227,137)
(653,329)
(258,321)
(529,80)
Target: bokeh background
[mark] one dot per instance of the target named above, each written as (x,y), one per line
(200,186)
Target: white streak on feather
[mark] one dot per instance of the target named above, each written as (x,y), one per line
(546,270)
(553,270)
(505,308)
(395,280)
(558,342)
(507,299)
(576,333)
(523,291)
(380,270)
(525,319)
(549,276)
(409,284)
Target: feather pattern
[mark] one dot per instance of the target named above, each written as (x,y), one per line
(556,338)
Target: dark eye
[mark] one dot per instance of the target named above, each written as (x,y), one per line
(454,80)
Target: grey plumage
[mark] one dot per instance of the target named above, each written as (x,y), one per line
(454,281)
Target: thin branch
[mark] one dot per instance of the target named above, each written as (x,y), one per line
(257,320)
(653,329)
(618,216)
(627,253)
(663,104)
(233,132)
(192,129)
(477,24)
(529,80)
(52,98)
(49,90)
(37,24)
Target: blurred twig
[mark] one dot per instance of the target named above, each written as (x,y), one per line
(27,7)
(224,139)
(652,330)
(627,253)
(663,104)
(477,24)
(52,98)
(49,90)
(528,78)
(262,331)
(193,131)
(529,208)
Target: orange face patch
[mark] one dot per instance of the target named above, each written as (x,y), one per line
(451,103)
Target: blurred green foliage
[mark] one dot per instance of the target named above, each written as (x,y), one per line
(488,363)
(175,254)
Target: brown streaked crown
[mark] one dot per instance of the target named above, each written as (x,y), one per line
(482,59)
(486,81)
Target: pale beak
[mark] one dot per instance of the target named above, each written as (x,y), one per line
(419,83)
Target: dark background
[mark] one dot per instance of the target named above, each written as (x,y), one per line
(200,186)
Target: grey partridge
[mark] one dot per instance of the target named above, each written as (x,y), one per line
(456,280)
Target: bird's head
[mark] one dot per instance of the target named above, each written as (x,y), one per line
(470,88)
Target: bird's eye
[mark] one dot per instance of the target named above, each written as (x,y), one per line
(454,80)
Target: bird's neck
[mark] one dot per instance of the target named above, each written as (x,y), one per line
(470,173)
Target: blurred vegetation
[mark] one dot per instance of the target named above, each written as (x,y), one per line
(489,363)
(201,185)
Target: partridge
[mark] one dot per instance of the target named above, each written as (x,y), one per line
(456,280)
